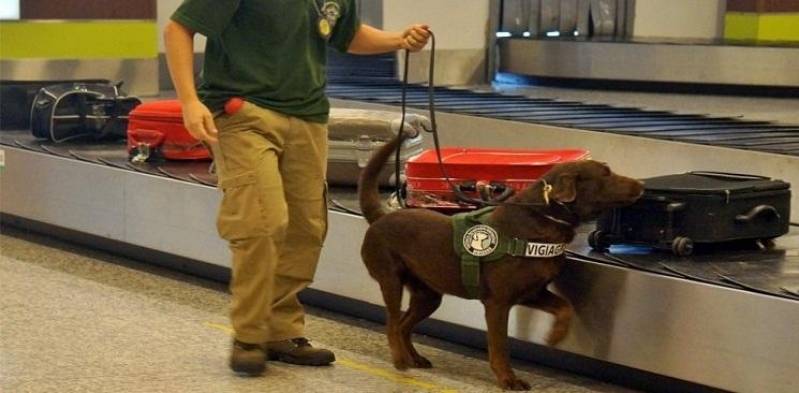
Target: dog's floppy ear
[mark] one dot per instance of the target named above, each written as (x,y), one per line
(565,188)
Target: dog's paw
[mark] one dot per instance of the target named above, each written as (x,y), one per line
(515,384)
(556,335)
(420,361)
(401,365)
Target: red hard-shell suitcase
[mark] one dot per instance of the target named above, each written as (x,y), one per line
(484,174)
(155,130)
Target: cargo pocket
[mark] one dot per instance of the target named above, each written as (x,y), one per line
(241,215)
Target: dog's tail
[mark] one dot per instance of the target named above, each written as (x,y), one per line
(368,191)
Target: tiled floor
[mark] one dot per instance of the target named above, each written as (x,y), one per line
(77,320)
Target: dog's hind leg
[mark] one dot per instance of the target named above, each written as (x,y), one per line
(386,269)
(424,301)
(557,306)
(391,287)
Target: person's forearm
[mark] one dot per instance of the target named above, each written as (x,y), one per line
(179,42)
(370,41)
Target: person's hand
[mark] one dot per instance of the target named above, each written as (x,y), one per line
(199,121)
(415,37)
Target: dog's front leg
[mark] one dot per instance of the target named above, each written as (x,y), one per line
(498,358)
(558,307)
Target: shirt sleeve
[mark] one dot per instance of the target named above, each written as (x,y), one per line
(207,17)
(346,27)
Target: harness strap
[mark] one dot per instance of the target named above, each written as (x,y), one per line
(517,247)
(470,275)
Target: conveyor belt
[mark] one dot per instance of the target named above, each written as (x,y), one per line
(741,266)
(373,79)
(700,129)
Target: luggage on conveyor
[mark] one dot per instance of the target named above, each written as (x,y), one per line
(568,17)
(623,12)
(550,17)
(353,134)
(69,111)
(678,211)
(16,100)
(534,18)
(156,131)
(603,15)
(583,18)
(515,16)
(488,175)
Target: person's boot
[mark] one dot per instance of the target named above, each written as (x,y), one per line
(299,351)
(248,359)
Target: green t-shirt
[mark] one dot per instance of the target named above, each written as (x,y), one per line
(270,52)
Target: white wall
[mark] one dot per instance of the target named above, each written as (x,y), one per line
(458,24)
(165,10)
(679,18)
(9,9)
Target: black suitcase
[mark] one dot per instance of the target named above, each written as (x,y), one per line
(678,211)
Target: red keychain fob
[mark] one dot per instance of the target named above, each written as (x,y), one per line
(233,105)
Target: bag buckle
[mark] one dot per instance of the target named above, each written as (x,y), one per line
(363,150)
(142,153)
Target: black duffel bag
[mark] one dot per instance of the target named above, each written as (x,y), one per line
(70,111)
(16,100)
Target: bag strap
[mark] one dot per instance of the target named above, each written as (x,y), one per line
(113,117)
(729,176)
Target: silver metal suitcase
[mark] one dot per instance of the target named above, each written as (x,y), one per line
(353,134)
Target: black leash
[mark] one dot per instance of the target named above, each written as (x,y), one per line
(431,102)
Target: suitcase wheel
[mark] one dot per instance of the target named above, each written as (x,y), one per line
(767,243)
(682,246)
(599,240)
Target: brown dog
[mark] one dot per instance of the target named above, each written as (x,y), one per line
(413,249)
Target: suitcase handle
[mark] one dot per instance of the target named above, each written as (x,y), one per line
(150,137)
(765,211)
(729,176)
(485,190)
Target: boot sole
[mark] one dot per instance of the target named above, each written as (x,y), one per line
(250,370)
(302,361)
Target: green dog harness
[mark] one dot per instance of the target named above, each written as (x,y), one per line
(476,241)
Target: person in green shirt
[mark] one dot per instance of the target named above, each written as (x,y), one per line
(270,152)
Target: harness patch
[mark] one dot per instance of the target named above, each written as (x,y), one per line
(480,240)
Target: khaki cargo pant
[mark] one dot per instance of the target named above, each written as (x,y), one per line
(271,170)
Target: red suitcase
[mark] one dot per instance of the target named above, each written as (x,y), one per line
(482,174)
(155,130)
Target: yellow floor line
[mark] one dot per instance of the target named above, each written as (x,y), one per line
(389,375)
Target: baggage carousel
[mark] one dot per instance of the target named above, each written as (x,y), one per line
(720,62)
(725,318)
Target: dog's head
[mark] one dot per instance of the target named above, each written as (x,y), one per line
(587,188)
